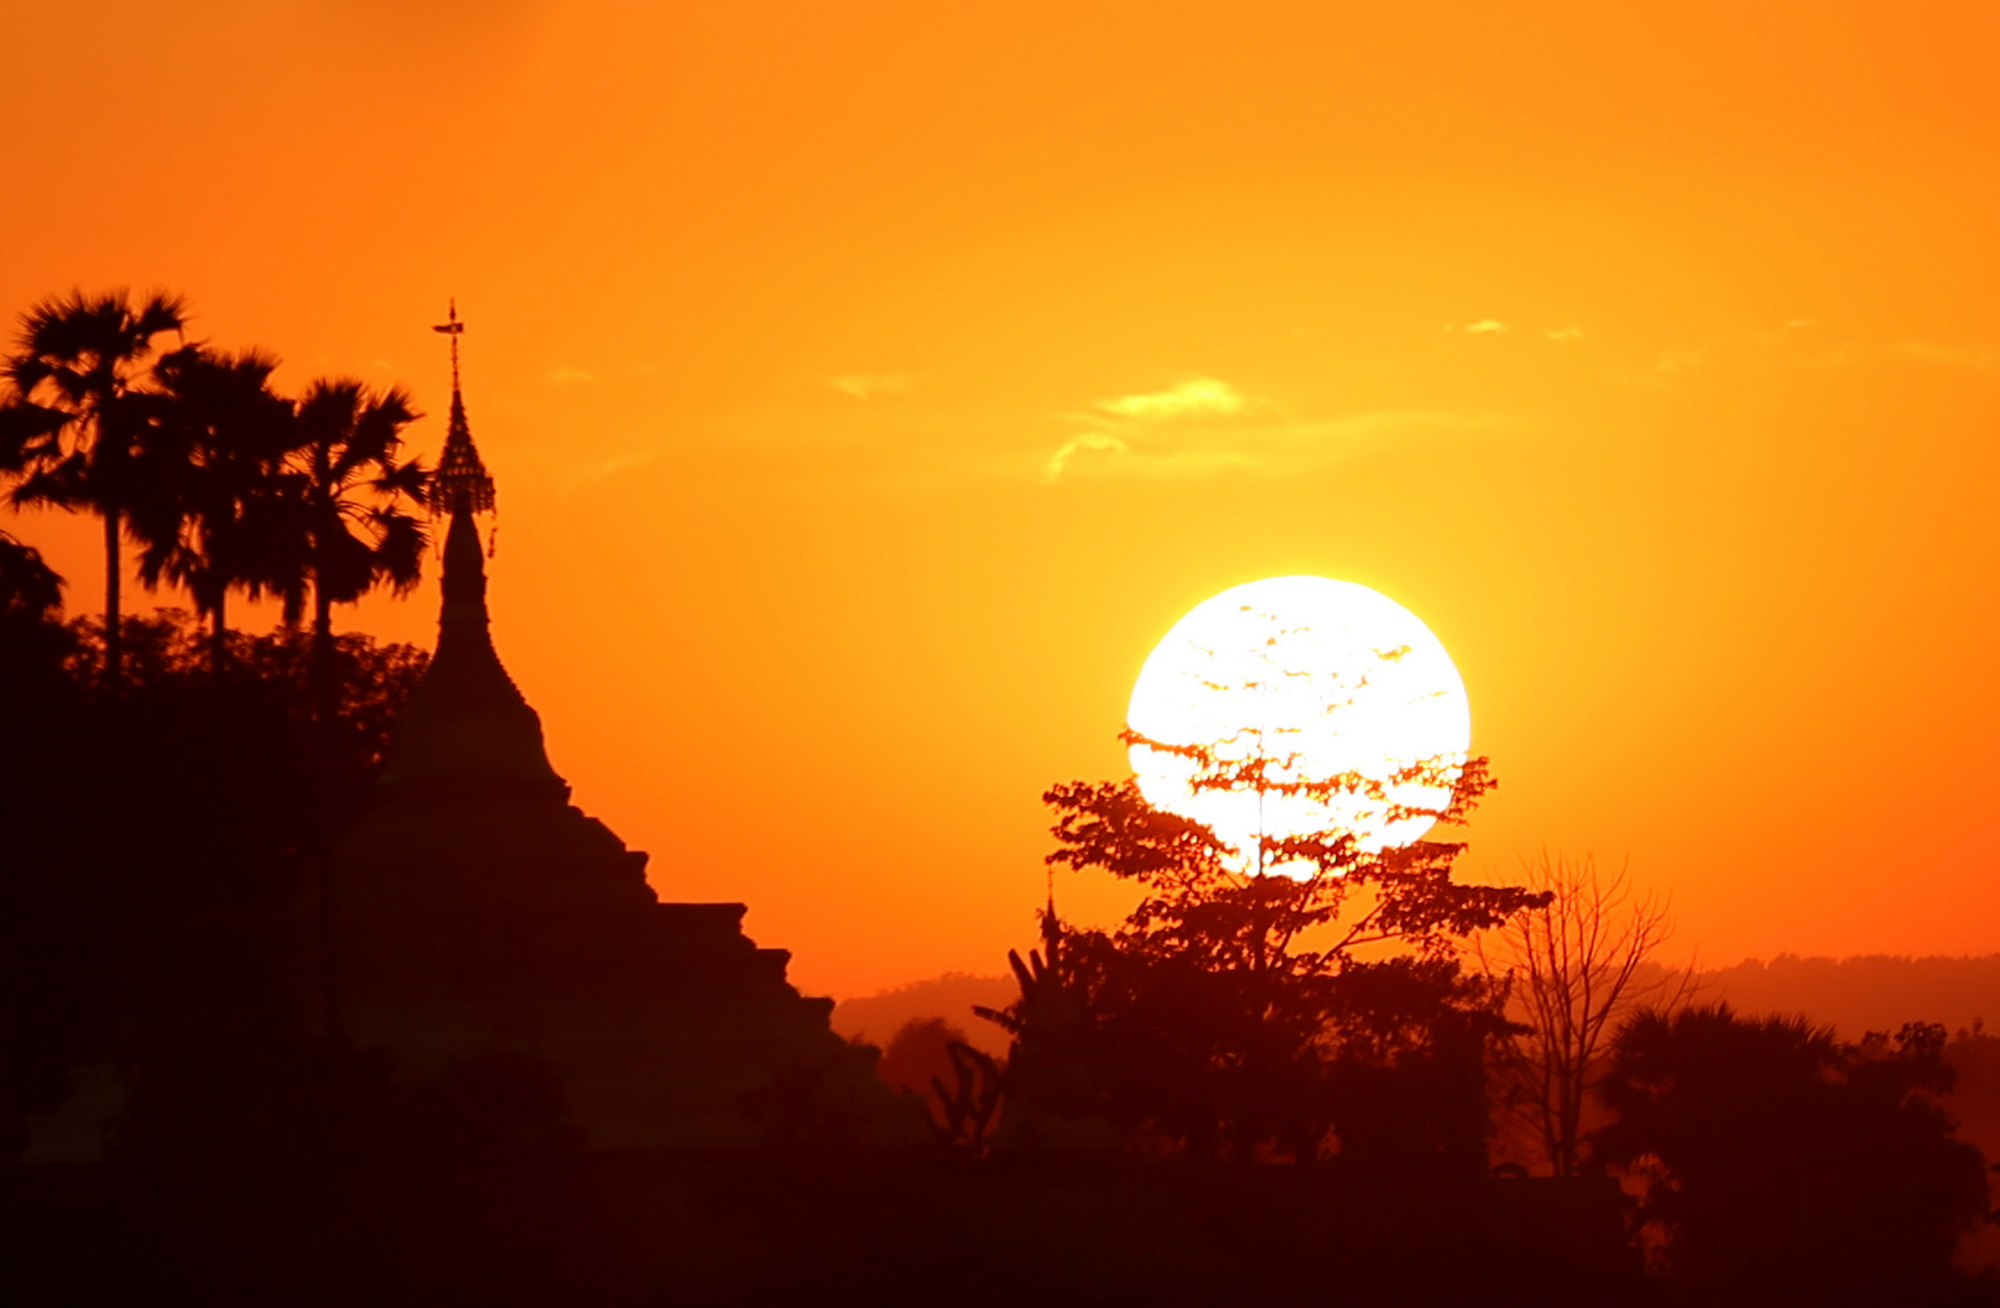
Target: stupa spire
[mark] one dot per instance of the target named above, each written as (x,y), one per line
(461,483)
(466,723)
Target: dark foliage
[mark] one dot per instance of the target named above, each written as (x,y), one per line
(919,1059)
(210,514)
(348,498)
(157,844)
(1786,1166)
(226,486)
(157,840)
(970,1102)
(1233,1014)
(30,590)
(299,1171)
(75,413)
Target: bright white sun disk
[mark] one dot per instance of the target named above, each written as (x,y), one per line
(1338,675)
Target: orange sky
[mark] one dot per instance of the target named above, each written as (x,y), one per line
(782,315)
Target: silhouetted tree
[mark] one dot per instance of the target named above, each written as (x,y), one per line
(1784,1166)
(970,1102)
(1974,1055)
(352,529)
(1051,1090)
(75,414)
(1216,1008)
(154,852)
(213,518)
(1407,1084)
(30,590)
(929,1056)
(51,1006)
(916,1055)
(1574,967)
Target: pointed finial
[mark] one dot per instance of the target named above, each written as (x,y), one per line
(455,329)
(461,483)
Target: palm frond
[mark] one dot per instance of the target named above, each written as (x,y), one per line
(28,432)
(400,550)
(162,312)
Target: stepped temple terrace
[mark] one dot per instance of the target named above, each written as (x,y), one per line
(473,909)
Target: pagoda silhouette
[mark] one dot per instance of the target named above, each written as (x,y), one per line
(472,909)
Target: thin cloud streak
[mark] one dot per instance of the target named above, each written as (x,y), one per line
(578,478)
(1793,345)
(1980,358)
(868,385)
(1266,447)
(1093,441)
(1193,398)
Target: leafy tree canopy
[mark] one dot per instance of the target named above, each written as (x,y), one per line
(1229,1013)
(1785,1166)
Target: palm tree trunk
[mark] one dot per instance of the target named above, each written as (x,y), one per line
(322,620)
(320,665)
(319,687)
(113,637)
(218,648)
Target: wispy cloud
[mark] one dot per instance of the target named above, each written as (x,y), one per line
(1497,327)
(1195,397)
(1090,442)
(579,477)
(1205,425)
(1981,358)
(1802,343)
(570,376)
(868,385)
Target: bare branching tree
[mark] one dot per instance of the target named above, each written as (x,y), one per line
(1576,966)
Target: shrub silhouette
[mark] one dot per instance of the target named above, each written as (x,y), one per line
(1783,1165)
(157,839)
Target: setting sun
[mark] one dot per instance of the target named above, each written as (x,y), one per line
(1323,677)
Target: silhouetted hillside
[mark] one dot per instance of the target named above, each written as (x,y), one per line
(1871,992)
(875,1018)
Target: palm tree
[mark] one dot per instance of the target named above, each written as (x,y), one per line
(75,417)
(215,461)
(351,531)
(1785,1166)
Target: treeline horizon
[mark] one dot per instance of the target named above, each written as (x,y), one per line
(189,456)
(1853,993)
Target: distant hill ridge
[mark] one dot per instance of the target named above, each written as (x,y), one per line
(875,1018)
(1868,992)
